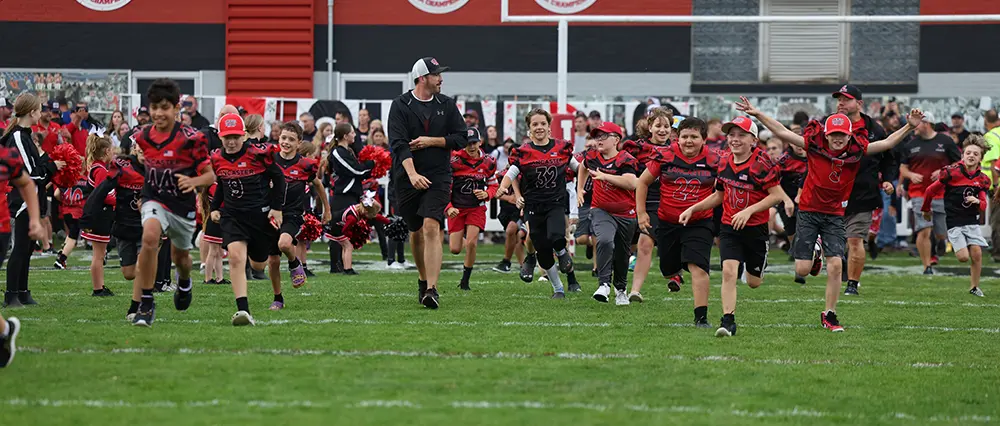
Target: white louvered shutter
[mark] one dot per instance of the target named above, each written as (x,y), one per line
(804,52)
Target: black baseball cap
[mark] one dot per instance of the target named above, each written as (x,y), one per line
(142,110)
(425,66)
(958,115)
(851,92)
(595,114)
(474,135)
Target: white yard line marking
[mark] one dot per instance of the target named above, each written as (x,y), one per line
(482,405)
(494,355)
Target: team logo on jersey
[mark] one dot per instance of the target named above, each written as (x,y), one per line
(438,7)
(565,6)
(103,5)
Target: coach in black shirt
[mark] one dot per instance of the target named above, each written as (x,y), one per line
(424,127)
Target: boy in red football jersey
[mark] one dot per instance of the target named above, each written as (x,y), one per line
(612,210)
(250,207)
(685,175)
(176,162)
(299,172)
(833,152)
(964,187)
(747,187)
(474,182)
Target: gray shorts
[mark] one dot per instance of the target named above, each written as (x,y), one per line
(857,225)
(128,252)
(178,229)
(938,219)
(965,236)
(809,226)
(583,223)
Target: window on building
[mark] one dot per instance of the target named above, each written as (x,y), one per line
(804,52)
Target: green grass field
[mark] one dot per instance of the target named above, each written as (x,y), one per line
(360,350)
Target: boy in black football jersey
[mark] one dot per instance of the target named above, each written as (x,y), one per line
(176,162)
(299,171)
(249,209)
(542,194)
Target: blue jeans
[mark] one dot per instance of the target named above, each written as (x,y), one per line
(887,233)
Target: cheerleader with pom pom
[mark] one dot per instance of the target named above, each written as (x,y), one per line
(350,174)
(353,228)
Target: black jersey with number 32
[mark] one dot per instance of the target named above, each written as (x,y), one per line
(543,172)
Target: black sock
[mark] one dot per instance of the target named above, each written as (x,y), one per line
(147,298)
(61,257)
(242,304)
(184,284)
(279,298)
(466,273)
(422,284)
(134,307)
(294,263)
(701,312)
(506,261)
(854,282)
(571,278)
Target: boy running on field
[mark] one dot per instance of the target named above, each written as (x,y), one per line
(474,182)
(964,187)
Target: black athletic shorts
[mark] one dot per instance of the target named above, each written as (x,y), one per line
(654,223)
(128,251)
(253,228)
(416,205)
(73,226)
(290,225)
(680,245)
(508,213)
(127,233)
(748,245)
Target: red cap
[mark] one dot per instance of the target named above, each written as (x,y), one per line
(607,127)
(838,123)
(742,122)
(231,124)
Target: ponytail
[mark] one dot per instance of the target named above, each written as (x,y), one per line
(95,145)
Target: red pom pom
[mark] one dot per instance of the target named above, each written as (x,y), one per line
(311,229)
(69,174)
(358,233)
(381,157)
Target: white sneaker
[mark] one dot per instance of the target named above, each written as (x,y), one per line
(396,266)
(621,297)
(407,264)
(543,278)
(242,318)
(601,295)
(635,297)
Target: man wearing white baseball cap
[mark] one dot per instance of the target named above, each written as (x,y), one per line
(424,128)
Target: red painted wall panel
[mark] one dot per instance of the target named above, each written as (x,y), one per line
(269,48)
(137,11)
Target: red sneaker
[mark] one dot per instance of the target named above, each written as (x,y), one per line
(934,260)
(675,283)
(830,322)
(817,264)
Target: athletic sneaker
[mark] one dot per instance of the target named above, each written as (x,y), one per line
(60,264)
(929,270)
(464,285)
(396,266)
(309,273)
(631,263)
(431,298)
(528,268)
(702,322)
(635,297)
(8,345)
(574,287)
(621,297)
(502,267)
(298,276)
(559,295)
(211,281)
(242,318)
(277,306)
(852,290)
(976,292)
(103,292)
(601,295)
(934,260)
(407,264)
(817,263)
(727,327)
(565,262)
(829,320)
(674,284)
(182,299)
(800,279)
(144,318)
